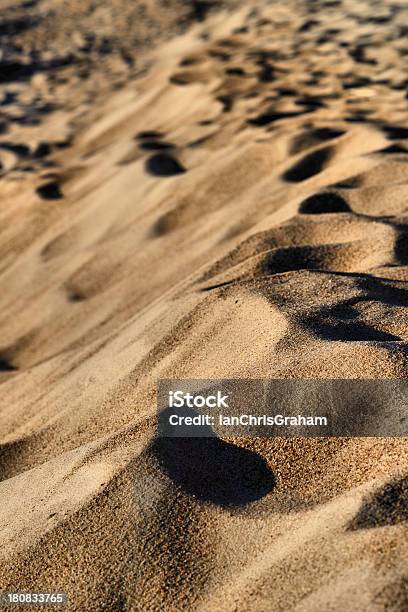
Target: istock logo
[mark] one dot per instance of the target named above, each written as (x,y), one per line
(178,399)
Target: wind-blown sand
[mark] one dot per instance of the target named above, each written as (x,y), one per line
(193,194)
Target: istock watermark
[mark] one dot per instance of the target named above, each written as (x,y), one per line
(178,399)
(285,408)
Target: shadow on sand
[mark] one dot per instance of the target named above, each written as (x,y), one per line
(213,470)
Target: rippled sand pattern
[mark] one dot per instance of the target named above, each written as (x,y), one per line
(196,190)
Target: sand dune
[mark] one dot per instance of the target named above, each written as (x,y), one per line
(199,190)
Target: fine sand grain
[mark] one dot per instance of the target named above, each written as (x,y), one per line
(196,190)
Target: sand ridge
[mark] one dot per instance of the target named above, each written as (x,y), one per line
(199,192)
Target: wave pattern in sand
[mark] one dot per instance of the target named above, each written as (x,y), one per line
(235,208)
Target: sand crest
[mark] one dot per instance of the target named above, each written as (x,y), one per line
(197,190)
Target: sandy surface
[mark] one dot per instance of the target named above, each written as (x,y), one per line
(192,193)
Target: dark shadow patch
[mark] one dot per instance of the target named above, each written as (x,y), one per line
(200,8)
(358,53)
(164,165)
(349,331)
(164,224)
(183,78)
(313,82)
(322,203)
(335,323)
(354,182)
(29,119)
(286,91)
(240,30)
(219,55)
(267,118)
(308,25)
(331,3)
(395,132)
(358,117)
(18,149)
(217,286)
(357,83)
(74,296)
(312,138)
(401,245)
(290,258)
(14,27)
(63,144)
(235,71)
(394,148)
(214,471)
(228,42)
(149,135)
(42,150)
(13,456)
(402,86)
(50,191)
(379,19)
(14,71)
(227,103)
(308,166)
(154,145)
(189,61)
(388,506)
(267,74)
(310,102)
(6,365)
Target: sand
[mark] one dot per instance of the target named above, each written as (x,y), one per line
(197,190)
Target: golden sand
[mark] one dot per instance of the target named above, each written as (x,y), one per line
(193,195)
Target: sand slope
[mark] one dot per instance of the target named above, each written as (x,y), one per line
(220,193)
